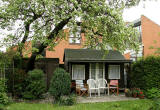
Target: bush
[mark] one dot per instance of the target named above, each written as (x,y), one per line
(35,85)
(60,84)
(155,105)
(67,100)
(16,82)
(3,96)
(2,85)
(152,93)
(146,73)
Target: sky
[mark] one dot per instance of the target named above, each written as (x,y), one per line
(149,8)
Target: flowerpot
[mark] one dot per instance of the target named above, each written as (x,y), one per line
(141,97)
(134,95)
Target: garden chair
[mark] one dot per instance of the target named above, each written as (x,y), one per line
(92,86)
(102,85)
(80,88)
(113,86)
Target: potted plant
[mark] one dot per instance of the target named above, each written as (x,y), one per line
(128,93)
(141,95)
(134,93)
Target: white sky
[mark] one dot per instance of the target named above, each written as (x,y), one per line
(149,8)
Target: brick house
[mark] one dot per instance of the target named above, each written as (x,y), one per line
(70,42)
(149,38)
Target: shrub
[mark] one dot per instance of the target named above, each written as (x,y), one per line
(67,100)
(155,105)
(16,82)
(2,85)
(3,96)
(152,93)
(146,73)
(60,84)
(35,85)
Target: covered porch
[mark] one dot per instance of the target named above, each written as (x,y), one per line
(84,64)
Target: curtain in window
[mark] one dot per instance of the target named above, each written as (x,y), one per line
(78,72)
(96,71)
(114,72)
(100,73)
(93,70)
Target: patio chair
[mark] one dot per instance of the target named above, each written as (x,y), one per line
(113,86)
(102,85)
(92,86)
(80,88)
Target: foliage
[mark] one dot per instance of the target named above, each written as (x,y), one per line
(156,104)
(141,93)
(67,100)
(128,93)
(35,85)
(3,96)
(146,73)
(44,21)
(2,85)
(16,81)
(153,93)
(60,84)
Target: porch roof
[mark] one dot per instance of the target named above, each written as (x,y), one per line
(90,55)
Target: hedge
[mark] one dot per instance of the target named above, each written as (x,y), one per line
(146,73)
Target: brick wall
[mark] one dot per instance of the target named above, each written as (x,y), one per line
(59,49)
(150,36)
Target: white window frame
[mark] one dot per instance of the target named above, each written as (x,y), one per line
(110,66)
(75,38)
(72,72)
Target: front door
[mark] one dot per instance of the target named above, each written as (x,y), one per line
(96,71)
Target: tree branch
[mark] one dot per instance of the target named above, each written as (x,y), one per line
(42,46)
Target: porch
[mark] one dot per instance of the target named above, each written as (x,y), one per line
(104,98)
(85,64)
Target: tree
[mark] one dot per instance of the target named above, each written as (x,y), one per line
(42,22)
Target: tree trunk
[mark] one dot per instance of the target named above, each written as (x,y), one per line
(41,47)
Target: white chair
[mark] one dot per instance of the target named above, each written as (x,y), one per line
(92,86)
(102,85)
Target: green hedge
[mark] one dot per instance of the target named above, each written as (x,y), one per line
(146,73)
(35,85)
(4,100)
(60,84)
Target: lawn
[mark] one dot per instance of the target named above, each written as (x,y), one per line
(121,105)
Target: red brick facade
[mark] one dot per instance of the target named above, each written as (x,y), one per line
(59,49)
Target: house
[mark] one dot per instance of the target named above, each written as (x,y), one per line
(149,38)
(84,64)
(70,42)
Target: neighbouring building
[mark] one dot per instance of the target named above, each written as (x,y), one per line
(149,38)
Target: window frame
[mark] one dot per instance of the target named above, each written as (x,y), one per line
(119,76)
(76,37)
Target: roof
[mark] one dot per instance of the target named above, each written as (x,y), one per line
(90,55)
(137,22)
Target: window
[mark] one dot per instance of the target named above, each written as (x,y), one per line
(114,72)
(78,72)
(139,30)
(75,38)
(96,71)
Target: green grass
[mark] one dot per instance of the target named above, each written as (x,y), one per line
(121,105)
